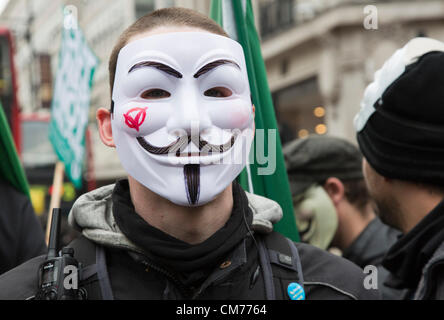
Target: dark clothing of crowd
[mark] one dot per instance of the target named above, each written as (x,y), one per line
(154,265)
(21,234)
(416,261)
(370,248)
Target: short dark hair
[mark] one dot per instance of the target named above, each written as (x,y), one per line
(357,193)
(431,188)
(162,17)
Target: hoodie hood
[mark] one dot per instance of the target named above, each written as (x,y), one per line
(92,216)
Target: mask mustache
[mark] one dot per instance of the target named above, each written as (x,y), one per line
(182,142)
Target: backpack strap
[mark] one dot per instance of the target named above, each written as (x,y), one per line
(297,261)
(94,273)
(267,273)
(279,258)
(102,272)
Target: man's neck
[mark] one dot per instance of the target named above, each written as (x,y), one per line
(352,224)
(415,204)
(192,225)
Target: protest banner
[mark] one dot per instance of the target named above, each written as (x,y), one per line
(70,107)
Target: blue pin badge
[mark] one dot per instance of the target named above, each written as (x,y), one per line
(295,291)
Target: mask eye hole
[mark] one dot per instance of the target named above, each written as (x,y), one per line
(218,92)
(154,94)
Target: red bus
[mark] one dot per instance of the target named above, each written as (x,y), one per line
(30,133)
(8,85)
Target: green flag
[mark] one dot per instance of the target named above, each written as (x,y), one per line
(70,104)
(11,169)
(265,175)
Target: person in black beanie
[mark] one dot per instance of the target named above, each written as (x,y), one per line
(400,131)
(332,206)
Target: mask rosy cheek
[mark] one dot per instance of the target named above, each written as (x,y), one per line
(240,118)
(236,116)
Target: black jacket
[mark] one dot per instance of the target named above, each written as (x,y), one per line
(370,247)
(21,234)
(135,273)
(326,277)
(416,260)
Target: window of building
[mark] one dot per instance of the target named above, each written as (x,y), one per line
(45,89)
(276,16)
(6,88)
(300,110)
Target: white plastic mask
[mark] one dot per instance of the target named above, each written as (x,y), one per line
(182,118)
(316,217)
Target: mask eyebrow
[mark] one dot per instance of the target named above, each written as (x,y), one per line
(157,65)
(212,65)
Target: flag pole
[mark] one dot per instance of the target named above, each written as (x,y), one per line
(237,18)
(56,194)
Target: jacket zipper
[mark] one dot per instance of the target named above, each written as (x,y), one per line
(426,290)
(183,290)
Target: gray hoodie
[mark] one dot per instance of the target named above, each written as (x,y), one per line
(92,216)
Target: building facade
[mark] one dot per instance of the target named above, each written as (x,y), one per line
(37,27)
(321,55)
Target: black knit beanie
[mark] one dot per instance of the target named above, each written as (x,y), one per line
(404,137)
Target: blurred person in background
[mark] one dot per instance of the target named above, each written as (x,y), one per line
(400,131)
(21,234)
(332,206)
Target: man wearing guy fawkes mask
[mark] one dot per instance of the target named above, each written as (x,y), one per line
(182,117)
(180,227)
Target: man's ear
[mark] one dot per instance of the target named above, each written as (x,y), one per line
(335,189)
(103,117)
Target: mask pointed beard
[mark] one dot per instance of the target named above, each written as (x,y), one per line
(192,182)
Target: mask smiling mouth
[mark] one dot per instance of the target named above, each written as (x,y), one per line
(177,147)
